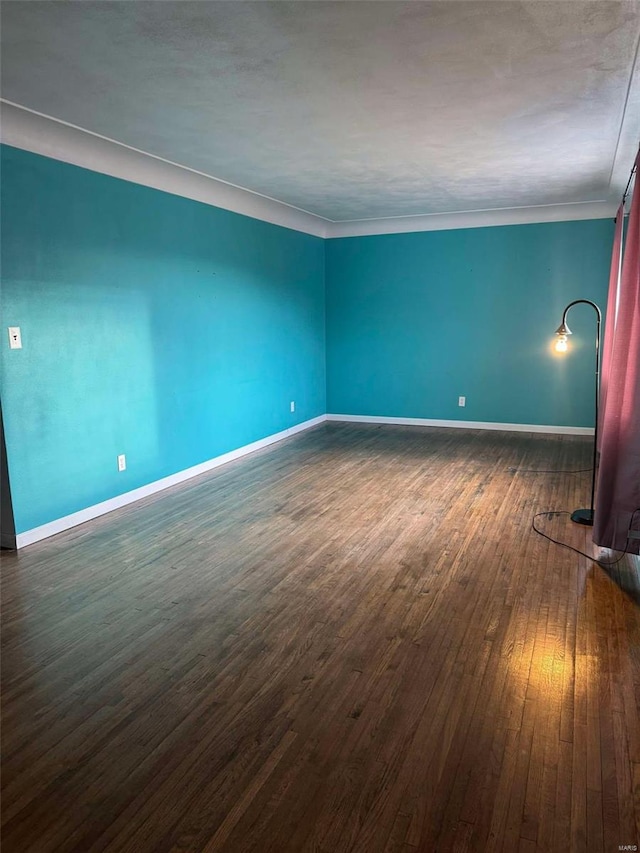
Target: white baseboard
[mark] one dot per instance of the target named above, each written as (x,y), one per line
(60,524)
(371,419)
(20,540)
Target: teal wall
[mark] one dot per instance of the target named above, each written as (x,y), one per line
(152,325)
(416,320)
(173,331)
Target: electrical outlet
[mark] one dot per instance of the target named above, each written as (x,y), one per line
(15,338)
(122,462)
(293,406)
(462,401)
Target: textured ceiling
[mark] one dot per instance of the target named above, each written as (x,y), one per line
(349,110)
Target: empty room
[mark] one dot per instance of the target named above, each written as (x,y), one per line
(320,401)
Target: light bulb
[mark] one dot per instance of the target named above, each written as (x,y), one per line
(561,343)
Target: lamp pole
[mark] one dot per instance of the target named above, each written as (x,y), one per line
(585,516)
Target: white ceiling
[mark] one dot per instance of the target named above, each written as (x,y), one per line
(349,110)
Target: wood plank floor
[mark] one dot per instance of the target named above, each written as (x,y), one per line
(351,642)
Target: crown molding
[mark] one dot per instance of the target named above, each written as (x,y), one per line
(32,131)
(473,219)
(50,137)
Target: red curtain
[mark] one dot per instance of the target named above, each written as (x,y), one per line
(617,508)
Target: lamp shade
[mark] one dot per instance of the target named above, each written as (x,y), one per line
(563,329)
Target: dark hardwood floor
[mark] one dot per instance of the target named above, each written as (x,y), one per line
(351,642)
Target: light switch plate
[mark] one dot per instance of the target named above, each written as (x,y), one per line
(15,338)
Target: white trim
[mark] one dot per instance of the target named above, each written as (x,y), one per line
(42,134)
(51,137)
(599,209)
(68,521)
(375,419)
(60,524)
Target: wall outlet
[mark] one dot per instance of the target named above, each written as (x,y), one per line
(122,462)
(293,406)
(462,401)
(15,338)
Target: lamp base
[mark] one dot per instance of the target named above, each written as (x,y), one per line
(583,516)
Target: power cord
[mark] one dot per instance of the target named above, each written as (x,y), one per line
(551,513)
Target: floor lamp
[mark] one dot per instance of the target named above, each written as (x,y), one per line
(584,516)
